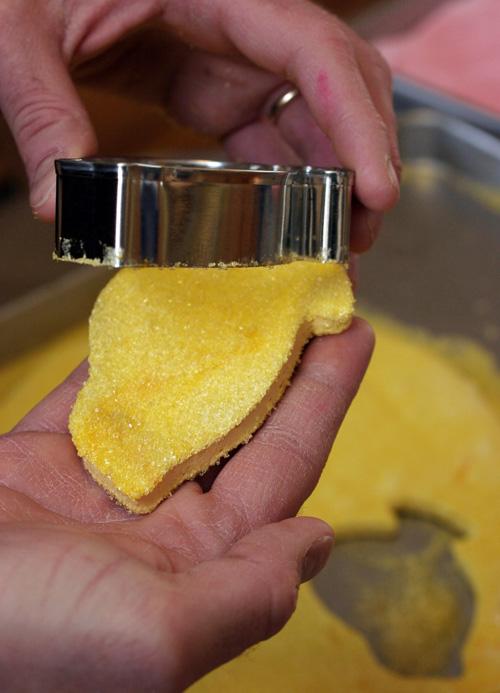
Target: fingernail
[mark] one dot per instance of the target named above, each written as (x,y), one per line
(391,172)
(44,183)
(316,557)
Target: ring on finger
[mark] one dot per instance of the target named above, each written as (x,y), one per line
(283,100)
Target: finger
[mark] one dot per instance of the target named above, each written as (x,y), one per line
(300,132)
(262,143)
(224,606)
(378,79)
(46,468)
(365,227)
(39,101)
(217,94)
(224,96)
(270,478)
(211,93)
(298,140)
(327,74)
(123,66)
(51,414)
(328,77)
(39,460)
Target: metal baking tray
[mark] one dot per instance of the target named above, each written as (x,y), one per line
(437,263)
(409,95)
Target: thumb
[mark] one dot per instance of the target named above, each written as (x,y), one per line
(40,104)
(247,595)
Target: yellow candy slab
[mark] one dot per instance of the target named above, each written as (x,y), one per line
(186,363)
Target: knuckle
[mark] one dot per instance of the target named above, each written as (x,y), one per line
(380,68)
(287,442)
(329,33)
(339,40)
(236,522)
(36,112)
(339,394)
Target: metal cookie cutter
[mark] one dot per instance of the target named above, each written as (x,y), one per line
(199,213)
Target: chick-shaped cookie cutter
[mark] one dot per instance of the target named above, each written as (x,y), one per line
(199,213)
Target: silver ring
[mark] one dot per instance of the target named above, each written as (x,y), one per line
(281,102)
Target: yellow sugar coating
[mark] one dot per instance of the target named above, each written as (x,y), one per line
(179,359)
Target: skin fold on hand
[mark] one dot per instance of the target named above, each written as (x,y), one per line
(92,598)
(214,65)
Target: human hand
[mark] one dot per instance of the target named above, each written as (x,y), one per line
(215,66)
(93,598)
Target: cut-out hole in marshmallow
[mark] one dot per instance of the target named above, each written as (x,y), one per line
(406,594)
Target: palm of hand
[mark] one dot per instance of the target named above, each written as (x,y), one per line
(92,596)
